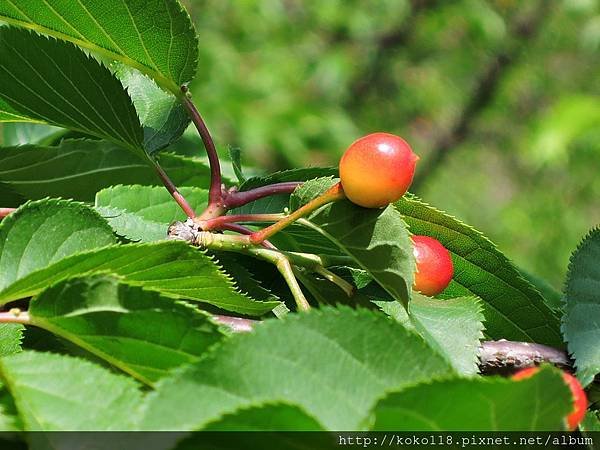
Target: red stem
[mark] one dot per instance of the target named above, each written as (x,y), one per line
(6,211)
(181,201)
(234,199)
(214,194)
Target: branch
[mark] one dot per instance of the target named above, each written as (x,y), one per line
(524,30)
(15,315)
(6,211)
(505,357)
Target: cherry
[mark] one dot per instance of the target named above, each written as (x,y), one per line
(580,402)
(434,265)
(377,169)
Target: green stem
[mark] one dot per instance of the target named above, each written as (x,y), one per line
(336,279)
(332,194)
(217,222)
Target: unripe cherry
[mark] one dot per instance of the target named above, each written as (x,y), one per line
(434,265)
(580,402)
(377,169)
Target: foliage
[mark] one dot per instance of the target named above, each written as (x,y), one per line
(137,297)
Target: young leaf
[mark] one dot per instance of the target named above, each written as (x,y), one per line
(11,335)
(157,37)
(174,269)
(453,327)
(79,168)
(377,239)
(143,213)
(314,360)
(163,116)
(57,392)
(539,403)
(45,231)
(139,331)
(513,309)
(55,82)
(581,321)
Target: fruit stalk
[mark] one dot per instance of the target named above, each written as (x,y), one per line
(334,193)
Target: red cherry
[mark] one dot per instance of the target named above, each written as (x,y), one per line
(580,402)
(434,265)
(377,169)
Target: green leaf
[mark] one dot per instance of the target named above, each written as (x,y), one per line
(143,213)
(581,321)
(334,364)
(157,38)
(270,417)
(21,133)
(162,115)
(79,168)
(9,419)
(57,392)
(46,231)
(377,239)
(591,422)
(513,309)
(11,335)
(539,403)
(140,332)
(54,82)
(174,269)
(452,327)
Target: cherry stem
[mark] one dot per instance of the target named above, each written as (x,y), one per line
(180,199)
(234,199)
(217,222)
(214,193)
(334,193)
(6,211)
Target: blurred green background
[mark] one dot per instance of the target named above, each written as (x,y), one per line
(500,98)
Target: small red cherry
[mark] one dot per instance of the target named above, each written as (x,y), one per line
(434,265)
(580,402)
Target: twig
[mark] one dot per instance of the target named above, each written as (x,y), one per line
(15,315)
(234,199)
(215,190)
(502,357)
(180,199)
(6,211)
(485,89)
